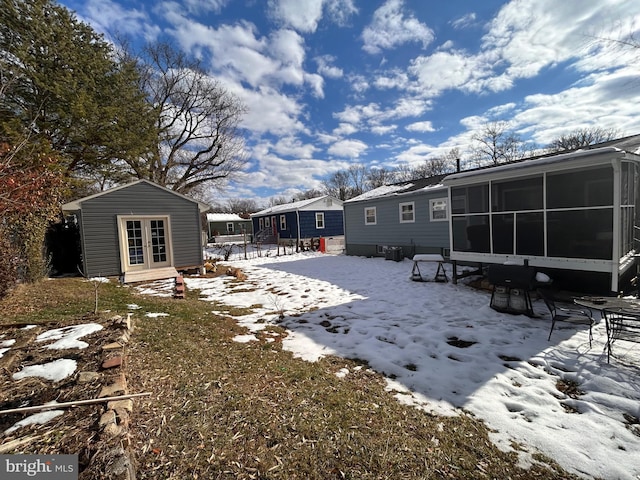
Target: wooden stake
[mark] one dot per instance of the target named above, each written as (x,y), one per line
(73,404)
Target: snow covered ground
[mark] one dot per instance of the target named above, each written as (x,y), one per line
(443,349)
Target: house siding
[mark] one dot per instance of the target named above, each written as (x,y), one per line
(420,236)
(333,223)
(101,250)
(221,227)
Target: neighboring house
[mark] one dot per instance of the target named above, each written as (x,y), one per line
(226,224)
(412,215)
(140,231)
(566,213)
(303,220)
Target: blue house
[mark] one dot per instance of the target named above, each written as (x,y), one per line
(300,221)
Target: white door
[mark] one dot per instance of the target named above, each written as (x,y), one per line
(145,243)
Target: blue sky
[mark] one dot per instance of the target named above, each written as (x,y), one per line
(333,83)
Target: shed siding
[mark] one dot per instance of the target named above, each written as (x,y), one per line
(421,236)
(100,228)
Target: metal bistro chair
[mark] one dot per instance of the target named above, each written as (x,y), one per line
(565,314)
(621,325)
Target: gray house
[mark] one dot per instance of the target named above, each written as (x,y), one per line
(412,215)
(567,213)
(228,224)
(138,231)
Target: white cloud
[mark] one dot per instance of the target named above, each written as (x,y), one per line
(383,129)
(107,16)
(607,101)
(425,126)
(340,10)
(359,83)
(347,148)
(391,27)
(200,6)
(345,129)
(317,83)
(269,111)
(445,70)
(392,79)
(464,21)
(305,16)
(325,67)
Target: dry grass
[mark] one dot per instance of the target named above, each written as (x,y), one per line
(222,409)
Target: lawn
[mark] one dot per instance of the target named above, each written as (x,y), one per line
(223,409)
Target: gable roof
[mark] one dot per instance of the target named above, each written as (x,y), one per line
(401,188)
(308,204)
(76,205)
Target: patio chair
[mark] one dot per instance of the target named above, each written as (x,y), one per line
(577,316)
(621,325)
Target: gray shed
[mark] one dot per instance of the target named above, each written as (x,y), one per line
(139,231)
(412,215)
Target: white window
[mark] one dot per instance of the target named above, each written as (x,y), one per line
(283,222)
(229,227)
(267,222)
(438,210)
(261,223)
(407,212)
(370,216)
(319,220)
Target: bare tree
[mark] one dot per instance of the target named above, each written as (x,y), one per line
(338,185)
(308,195)
(495,144)
(582,137)
(358,177)
(378,177)
(280,200)
(197,121)
(404,173)
(241,206)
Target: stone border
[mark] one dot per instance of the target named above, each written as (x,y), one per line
(114,422)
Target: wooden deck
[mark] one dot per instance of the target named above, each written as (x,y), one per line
(152,274)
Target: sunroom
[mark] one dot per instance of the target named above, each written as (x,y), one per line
(571,212)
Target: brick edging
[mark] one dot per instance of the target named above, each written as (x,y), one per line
(114,422)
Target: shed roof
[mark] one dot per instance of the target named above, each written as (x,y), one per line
(76,205)
(318,203)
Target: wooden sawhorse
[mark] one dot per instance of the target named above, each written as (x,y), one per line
(441,274)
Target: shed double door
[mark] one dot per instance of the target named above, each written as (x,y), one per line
(146,242)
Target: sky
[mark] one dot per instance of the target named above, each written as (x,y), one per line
(335,83)
(370,309)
